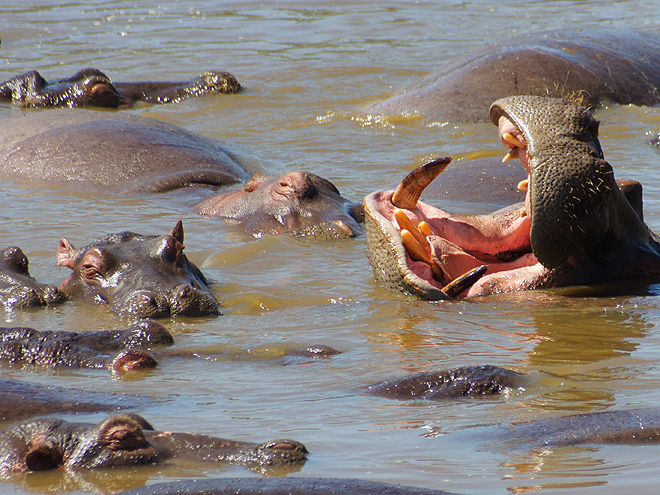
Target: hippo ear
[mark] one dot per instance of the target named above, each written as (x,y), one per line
(43,455)
(177,231)
(122,432)
(66,254)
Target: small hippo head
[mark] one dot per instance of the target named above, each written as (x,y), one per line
(88,87)
(142,276)
(117,441)
(296,203)
(17,288)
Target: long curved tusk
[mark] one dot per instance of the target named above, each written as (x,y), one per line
(412,186)
(464,282)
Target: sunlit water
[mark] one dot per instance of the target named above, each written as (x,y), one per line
(306,67)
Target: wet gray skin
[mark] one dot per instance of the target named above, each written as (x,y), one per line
(21,400)
(466,381)
(30,347)
(127,440)
(296,203)
(601,65)
(112,153)
(18,289)
(92,88)
(280,486)
(140,276)
(576,225)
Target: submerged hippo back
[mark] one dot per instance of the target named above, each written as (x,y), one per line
(116,152)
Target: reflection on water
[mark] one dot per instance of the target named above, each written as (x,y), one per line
(306,68)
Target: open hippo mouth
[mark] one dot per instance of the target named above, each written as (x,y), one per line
(563,233)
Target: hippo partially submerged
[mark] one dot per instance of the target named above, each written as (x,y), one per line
(295,203)
(17,287)
(111,153)
(30,347)
(615,65)
(141,276)
(576,226)
(280,486)
(127,440)
(466,381)
(92,88)
(20,400)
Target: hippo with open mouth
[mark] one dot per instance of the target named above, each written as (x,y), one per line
(577,225)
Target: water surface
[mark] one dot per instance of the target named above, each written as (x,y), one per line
(306,67)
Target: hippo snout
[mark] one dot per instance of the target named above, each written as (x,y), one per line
(182,300)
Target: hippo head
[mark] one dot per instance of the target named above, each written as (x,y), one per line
(88,87)
(296,203)
(142,276)
(576,225)
(17,288)
(117,441)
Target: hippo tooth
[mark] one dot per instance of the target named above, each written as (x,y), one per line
(405,223)
(523,185)
(507,136)
(410,190)
(415,250)
(425,228)
(511,155)
(464,282)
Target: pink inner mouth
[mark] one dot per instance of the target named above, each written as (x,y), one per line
(458,244)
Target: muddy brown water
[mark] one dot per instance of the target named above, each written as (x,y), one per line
(306,66)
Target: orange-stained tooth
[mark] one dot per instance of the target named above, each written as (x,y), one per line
(523,185)
(511,155)
(425,228)
(414,249)
(507,136)
(405,223)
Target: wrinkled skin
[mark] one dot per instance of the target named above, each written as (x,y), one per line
(467,381)
(112,153)
(280,486)
(296,203)
(20,400)
(571,195)
(141,276)
(92,88)
(127,440)
(26,346)
(599,65)
(17,288)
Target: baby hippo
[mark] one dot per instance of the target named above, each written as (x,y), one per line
(296,203)
(142,276)
(17,288)
(127,440)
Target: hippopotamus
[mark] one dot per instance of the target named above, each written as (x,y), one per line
(141,276)
(17,287)
(127,440)
(627,427)
(296,203)
(27,346)
(575,227)
(622,66)
(110,153)
(280,486)
(20,400)
(92,88)
(466,381)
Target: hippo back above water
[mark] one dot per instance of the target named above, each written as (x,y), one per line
(622,66)
(110,152)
